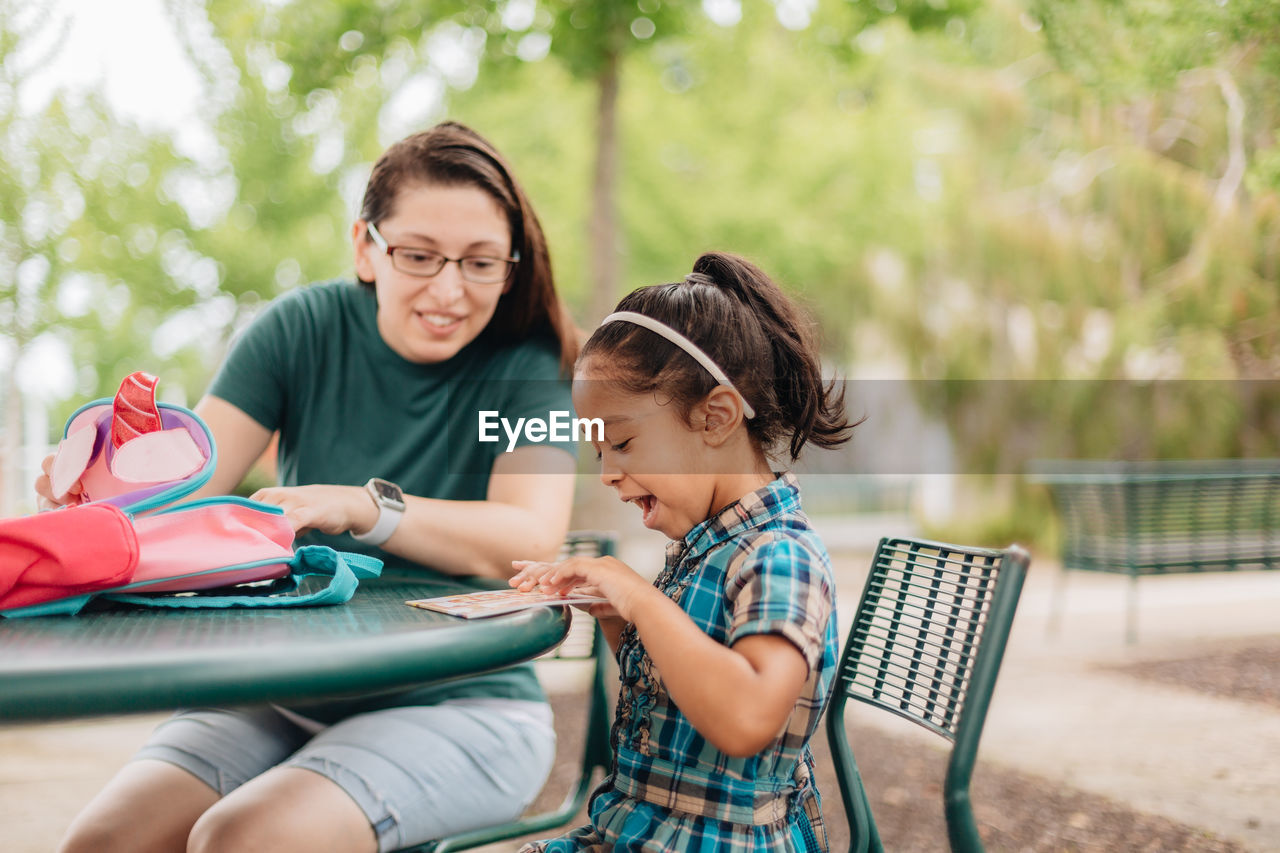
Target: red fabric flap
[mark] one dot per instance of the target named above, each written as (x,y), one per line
(65,552)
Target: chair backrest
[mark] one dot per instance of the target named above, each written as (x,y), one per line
(926,644)
(584,642)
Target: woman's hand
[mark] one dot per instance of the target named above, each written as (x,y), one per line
(45,498)
(608,577)
(328,509)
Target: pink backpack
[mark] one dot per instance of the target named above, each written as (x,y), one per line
(124,541)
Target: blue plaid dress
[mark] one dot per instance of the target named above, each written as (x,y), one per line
(755,568)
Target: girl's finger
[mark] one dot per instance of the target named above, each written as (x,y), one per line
(524,568)
(561,581)
(528,577)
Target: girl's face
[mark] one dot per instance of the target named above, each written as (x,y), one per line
(650,455)
(428,320)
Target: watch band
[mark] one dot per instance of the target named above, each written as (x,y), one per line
(389,515)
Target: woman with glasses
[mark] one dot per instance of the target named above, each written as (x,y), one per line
(375,388)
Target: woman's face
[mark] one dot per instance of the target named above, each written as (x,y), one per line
(428,320)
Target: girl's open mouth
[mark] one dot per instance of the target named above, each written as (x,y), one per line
(647,504)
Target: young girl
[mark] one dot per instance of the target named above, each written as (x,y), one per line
(727,659)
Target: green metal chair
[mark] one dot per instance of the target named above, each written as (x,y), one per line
(926,644)
(585,642)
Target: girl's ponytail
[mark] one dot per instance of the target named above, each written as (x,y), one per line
(812,408)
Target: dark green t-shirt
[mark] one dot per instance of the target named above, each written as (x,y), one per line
(314,367)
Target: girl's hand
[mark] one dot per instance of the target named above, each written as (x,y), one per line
(604,576)
(328,509)
(603,611)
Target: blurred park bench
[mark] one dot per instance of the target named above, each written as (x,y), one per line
(1164,517)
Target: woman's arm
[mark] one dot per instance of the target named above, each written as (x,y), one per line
(525,514)
(240,441)
(738,698)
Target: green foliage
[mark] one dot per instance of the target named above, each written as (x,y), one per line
(1129,48)
(281,154)
(1017,190)
(323,43)
(1001,513)
(94,249)
(547,142)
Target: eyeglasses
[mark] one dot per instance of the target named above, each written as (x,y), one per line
(424,263)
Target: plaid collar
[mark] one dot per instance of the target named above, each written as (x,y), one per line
(756,509)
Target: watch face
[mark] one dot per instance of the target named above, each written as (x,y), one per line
(388,491)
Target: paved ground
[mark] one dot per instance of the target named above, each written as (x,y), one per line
(1199,759)
(1059,711)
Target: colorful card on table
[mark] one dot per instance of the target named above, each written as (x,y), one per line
(494,602)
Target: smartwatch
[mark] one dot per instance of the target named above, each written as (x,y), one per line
(389,500)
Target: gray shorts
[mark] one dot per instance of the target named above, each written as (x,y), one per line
(418,772)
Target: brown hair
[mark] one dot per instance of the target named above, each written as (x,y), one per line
(761,340)
(452,154)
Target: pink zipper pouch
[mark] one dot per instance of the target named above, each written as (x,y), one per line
(211,543)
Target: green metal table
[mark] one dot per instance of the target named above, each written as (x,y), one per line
(124,660)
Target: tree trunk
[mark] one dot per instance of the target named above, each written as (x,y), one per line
(602,230)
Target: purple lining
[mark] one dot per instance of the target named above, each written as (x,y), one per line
(169,419)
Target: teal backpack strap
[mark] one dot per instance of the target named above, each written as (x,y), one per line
(364,566)
(343,569)
(62,607)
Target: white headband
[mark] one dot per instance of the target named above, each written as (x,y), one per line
(685,344)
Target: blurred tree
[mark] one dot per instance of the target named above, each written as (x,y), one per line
(758,158)
(328,45)
(271,186)
(1197,112)
(963,190)
(93,250)
(1098,230)
(591,40)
